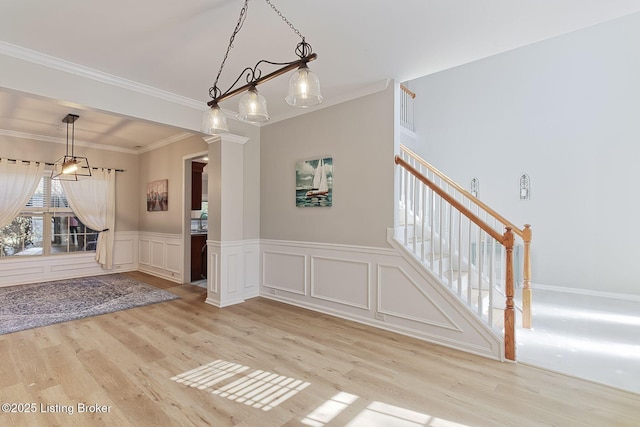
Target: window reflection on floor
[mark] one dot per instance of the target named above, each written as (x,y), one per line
(259,389)
(265,390)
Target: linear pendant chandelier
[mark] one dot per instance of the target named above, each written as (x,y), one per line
(304,85)
(71,167)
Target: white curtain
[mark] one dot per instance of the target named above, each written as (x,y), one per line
(93,200)
(18,182)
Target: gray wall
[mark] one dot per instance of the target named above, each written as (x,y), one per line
(251,202)
(566,112)
(126,182)
(166,163)
(359,136)
(162,163)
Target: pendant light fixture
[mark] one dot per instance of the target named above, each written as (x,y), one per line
(304,85)
(70,167)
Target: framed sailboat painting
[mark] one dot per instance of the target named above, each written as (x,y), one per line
(314,182)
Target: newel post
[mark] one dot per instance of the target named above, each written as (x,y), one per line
(526,285)
(509,312)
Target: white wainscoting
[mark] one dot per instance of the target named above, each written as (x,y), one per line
(20,270)
(161,255)
(233,271)
(375,286)
(327,272)
(251,269)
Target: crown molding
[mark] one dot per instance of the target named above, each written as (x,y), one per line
(369,89)
(35,57)
(226,137)
(56,140)
(166,141)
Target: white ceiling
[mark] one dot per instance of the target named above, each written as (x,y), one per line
(177,46)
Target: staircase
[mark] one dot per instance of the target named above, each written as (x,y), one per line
(465,245)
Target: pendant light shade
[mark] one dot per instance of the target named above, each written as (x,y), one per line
(214,121)
(252,107)
(71,167)
(304,88)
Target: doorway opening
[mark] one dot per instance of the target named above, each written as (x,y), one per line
(196,215)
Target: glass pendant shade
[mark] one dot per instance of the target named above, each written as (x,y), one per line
(252,107)
(214,122)
(304,88)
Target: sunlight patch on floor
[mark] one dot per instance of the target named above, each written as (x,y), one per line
(210,374)
(265,390)
(376,414)
(383,414)
(259,389)
(590,315)
(579,343)
(329,409)
(262,389)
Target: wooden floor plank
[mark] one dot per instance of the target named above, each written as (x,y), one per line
(126,360)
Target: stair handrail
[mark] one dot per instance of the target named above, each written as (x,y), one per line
(524,233)
(467,194)
(406,109)
(408,91)
(506,239)
(450,199)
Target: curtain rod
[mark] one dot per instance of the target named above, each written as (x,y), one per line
(51,164)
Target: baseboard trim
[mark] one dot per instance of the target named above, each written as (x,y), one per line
(425,336)
(588,292)
(557,372)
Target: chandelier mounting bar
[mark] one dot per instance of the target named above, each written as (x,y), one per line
(304,86)
(255,82)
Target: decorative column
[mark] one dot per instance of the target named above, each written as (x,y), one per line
(225,245)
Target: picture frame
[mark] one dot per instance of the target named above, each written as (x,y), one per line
(158,195)
(314,182)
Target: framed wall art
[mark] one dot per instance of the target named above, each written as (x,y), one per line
(314,182)
(157,195)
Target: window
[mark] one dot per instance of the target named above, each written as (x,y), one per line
(46,226)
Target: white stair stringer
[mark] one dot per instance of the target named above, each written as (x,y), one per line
(468,332)
(458,283)
(434,257)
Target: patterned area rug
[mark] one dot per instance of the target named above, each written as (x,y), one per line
(40,304)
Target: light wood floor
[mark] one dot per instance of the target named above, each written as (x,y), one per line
(339,373)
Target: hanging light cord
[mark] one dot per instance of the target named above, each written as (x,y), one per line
(253,75)
(215,92)
(68,139)
(303,48)
(284,18)
(73,138)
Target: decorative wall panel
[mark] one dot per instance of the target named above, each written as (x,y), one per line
(341,281)
(285,272)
